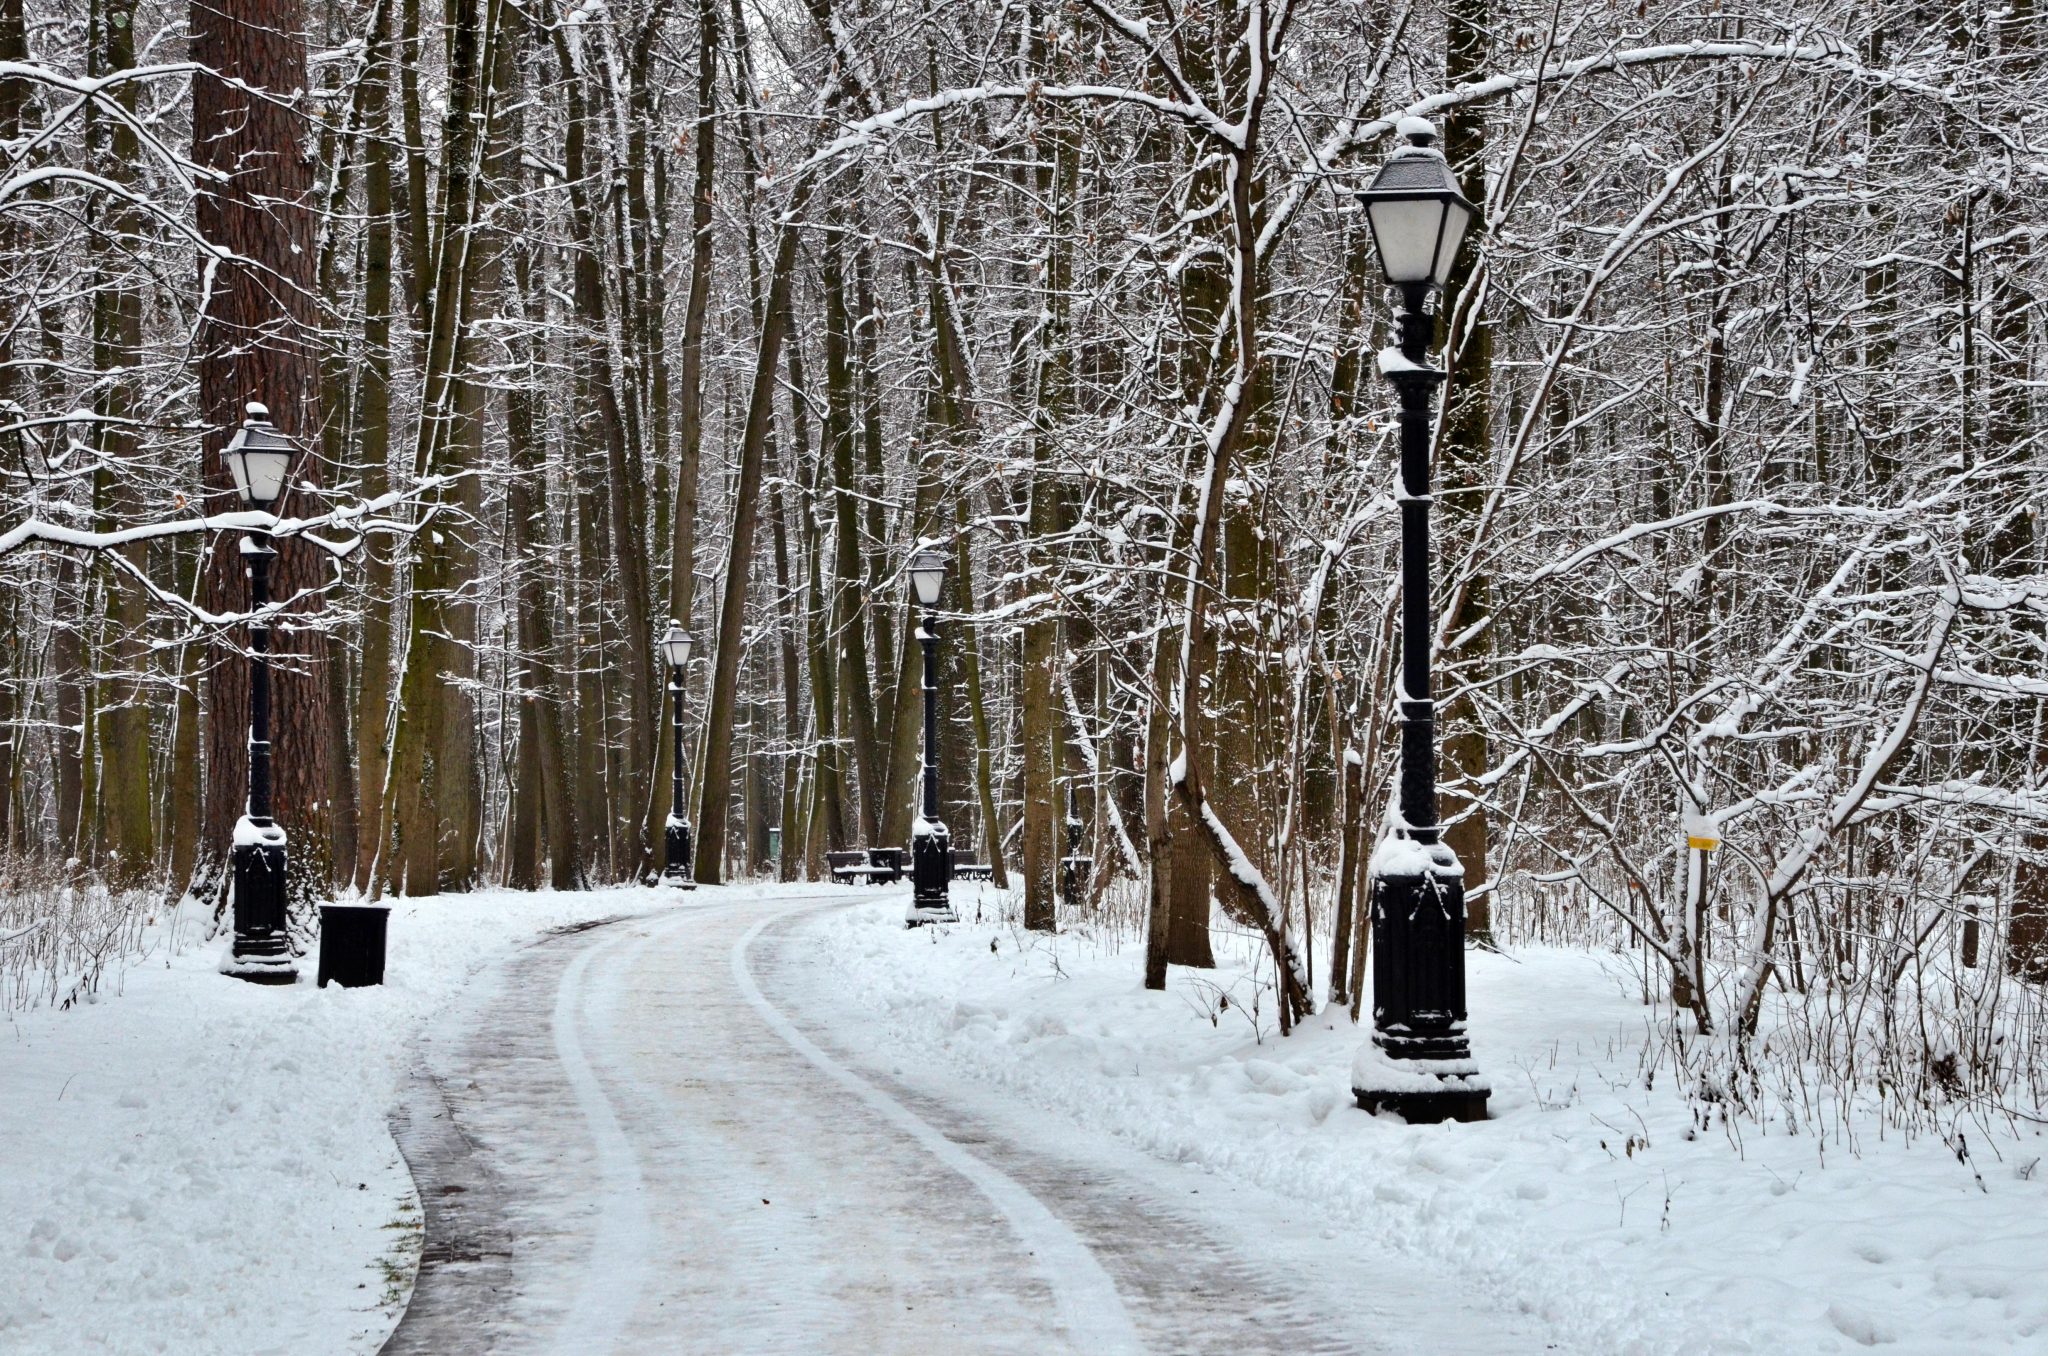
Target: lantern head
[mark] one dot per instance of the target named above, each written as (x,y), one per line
(260,458)
(927,574)
(1417,213)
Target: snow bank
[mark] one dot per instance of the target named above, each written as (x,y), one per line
(201,1165)
(1624,1218)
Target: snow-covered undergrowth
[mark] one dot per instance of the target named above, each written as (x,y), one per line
(201,1165)
(64,936)
(1614,1201)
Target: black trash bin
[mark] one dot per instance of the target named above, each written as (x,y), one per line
(352,944)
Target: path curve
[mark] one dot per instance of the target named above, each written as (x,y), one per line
(641,1138)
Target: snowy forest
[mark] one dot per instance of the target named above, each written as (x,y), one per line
(593,315)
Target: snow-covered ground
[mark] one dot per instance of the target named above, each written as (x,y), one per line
(1626,1219)
(197,1165)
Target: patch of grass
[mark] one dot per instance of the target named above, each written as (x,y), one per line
(400,1262)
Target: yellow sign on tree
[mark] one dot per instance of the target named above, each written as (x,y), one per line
(1701,832)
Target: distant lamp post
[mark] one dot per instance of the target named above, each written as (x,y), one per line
(1419,1064)
(260,459)
(1075,867)
(931,849)
(676,644)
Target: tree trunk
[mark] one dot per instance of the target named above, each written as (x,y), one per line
(715,790)
(1348,920)
(126,837)
(430,772)
(373,453)
(255,344)
(1465,451)
(851,602)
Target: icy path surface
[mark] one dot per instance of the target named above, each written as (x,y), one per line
(641,1138)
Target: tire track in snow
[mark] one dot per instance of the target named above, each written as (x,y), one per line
(1086,1298)
(1186,1277)
(616,1272)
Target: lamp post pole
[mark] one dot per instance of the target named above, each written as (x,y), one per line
(262,949)
(1415,383)
(675,647)
(931,847)
(1075,869)
(1419,1063)
(259,458)
(677,834)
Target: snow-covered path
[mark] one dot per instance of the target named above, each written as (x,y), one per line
(649,1136)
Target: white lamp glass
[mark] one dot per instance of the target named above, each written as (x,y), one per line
(260,459)
(927,574)
(1457,216)
(1407,232)
(676,644)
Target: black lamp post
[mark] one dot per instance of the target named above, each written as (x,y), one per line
(931,849)
(260,458)
(1075,868)
(676,644)
(1419,1064)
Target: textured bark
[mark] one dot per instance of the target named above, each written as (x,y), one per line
(14,95)
(825,813)
(429,788)
(886,614)
(991,844)
(689,448)
(788,668)
(121,706)
(690,374)
(1465,452)
(541,599)
(373,454)
(1349,920)
(1052,397)
(851,602)
(416,238)
(630,663)
(183,790)
(1158,835)
(68,692)
(255,344)
(715,788)
(1037,721)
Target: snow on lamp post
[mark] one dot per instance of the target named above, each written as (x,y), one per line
(1419,1063)
(260,459)
(931,849)
(676,644)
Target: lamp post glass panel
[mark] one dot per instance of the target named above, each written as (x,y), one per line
(676,644)
(260,459)
(931,849)
(1419,1063)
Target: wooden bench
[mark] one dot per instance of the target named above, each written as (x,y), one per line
(886,864)
(867,866)
(965,870)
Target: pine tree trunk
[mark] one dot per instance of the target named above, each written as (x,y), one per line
(255,344)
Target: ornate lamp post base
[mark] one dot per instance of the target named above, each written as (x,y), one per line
(676,854)
(931,872)
(1449,1101)
(1419,1064)
(262,952)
